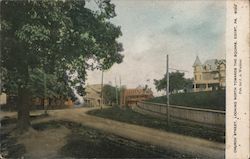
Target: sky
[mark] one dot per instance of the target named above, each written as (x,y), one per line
(153,28)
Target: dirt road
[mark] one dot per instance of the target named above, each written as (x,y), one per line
(190,145)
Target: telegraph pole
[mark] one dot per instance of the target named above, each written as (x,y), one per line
(120,92)
(120,82)
(102,91)
(45,89)
(116,92)
(167,88)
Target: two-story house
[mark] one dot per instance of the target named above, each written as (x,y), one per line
(211,75)
(130,97)
(93,95)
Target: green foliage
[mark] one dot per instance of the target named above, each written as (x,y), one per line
(176,82)
(56,36)
(129,116)
(207,100)
(109,94)
(54,87)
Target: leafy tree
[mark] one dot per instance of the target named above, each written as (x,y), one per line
(219,63)
(54,90)
(54,36)
(177,81)
(188,84)
(109,94)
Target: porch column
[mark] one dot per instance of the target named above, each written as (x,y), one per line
(206,86)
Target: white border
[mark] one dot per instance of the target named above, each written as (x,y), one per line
(237,105)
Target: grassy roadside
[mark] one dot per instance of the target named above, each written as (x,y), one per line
(206,100)
(129,116)
(85,142)
(9,148)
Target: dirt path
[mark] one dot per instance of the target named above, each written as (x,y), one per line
(142,134)
(44,144)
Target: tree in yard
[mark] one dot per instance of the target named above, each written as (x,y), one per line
(219,65)
(54,37)
(109,94)
(55,89)
(177,81)
(188,84)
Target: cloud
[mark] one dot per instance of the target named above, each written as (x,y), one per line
(152,29)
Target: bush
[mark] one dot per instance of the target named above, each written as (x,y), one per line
(207,100)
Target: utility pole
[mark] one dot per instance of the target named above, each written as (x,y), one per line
(120,92)
(1,73)
(102,91)
(45,88)
(120,82)
(116,92)
(0,77)
(167,88)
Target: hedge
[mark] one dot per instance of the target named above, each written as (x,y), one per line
(207,100)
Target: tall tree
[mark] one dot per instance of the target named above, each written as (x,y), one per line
(54,36)
(55,89)
(177,81)
(109,94)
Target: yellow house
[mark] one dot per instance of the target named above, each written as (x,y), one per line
(209,76)
(93,95)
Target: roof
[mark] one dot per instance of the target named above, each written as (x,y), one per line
(209,65)
(212,63)
(94,86)
(93,91)
(197,62)
(138,91)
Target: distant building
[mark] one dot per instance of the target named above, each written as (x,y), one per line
(3,98)
(130,97)
(93,95)
(209,76)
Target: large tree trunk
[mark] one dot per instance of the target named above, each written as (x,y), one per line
(23,109)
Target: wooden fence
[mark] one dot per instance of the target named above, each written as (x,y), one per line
(204,117)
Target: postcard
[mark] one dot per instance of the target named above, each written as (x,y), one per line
(125,79)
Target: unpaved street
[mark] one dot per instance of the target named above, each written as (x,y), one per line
(167,140)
